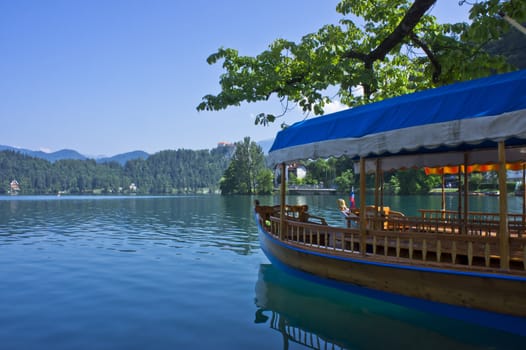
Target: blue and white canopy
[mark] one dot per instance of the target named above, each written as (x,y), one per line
(428,128)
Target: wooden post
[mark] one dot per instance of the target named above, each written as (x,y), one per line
(283,194)
(443,195)
(523,193)
(504,242)
(459,214)
(363,228)
(466,195)
(381,188)
(377,206)
(377,187)
(379,177)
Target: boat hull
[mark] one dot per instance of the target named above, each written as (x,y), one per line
(490,292)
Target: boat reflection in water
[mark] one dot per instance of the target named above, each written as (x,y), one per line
(318,316)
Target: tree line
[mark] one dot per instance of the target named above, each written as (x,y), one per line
(236,169)
(165,172)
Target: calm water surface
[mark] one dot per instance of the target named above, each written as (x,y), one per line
(187,273)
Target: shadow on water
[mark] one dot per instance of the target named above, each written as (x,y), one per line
(316,316)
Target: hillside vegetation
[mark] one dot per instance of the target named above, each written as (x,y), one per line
(165,172)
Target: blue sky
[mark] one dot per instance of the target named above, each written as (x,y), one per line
(110,76)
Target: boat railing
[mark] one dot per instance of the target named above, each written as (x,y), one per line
(291,212)
(300,336)
(406,239)
(436,221)
(472,215)
(481,223)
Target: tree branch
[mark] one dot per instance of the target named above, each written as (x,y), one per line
(432,58)
(354,54)
(406,26)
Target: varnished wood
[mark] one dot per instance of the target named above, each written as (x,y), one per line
(466,193)
(467,288)
(283,193)
(443,203)
(503,208)
(460,250)
(363,226)
(377,186)
(487,254)
(523,193)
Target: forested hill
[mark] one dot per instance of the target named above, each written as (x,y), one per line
(171,171)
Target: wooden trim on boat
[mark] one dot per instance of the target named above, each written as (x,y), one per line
(504,244)
(363,225)
(419,244)
(283,193)
(456,269)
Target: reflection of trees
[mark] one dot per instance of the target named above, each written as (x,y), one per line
(225,222)
(321,317)
(239,223)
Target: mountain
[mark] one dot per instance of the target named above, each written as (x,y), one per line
(119,158)
(62,154)
(71,154)
(511,46)
(124,157)
(51,157)
(265,145)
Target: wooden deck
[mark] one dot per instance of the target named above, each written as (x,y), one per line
(435,238)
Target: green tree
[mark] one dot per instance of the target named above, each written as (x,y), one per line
(345,181)
(321,170)
(265,182)
(386,47)
(241,176)
(475,180)
(415,181)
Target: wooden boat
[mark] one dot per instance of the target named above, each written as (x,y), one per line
(464,258)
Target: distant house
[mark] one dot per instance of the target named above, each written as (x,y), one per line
(225,144)
(133,187)
(295,169)
(229,148)
(14,187)
(298,170)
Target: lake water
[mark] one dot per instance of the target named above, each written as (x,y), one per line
(187,273)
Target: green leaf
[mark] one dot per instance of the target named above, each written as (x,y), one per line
(337,56)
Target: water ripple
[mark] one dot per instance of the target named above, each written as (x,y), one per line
(131,273)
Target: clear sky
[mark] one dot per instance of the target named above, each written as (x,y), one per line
(111,76)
